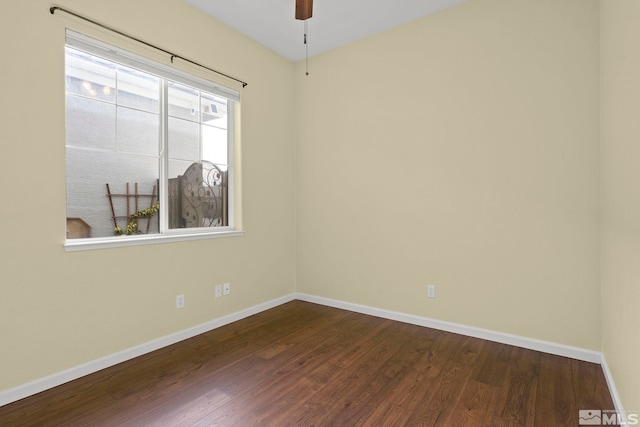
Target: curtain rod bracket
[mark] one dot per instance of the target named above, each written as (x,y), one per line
(53,10)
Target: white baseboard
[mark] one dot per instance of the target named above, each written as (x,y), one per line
(42,384)
(37,386)
(515,340)
(612,387)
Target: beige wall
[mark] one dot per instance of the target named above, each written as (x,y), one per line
(459,150)
(59,310)
(621,195)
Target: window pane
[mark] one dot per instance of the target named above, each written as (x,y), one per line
(183,102)
(184,140)
(90,76)
(138,132)
(214,110)
(138,90)
(90,123)
(108,144)
(214,145)
(197,158)
(89,172)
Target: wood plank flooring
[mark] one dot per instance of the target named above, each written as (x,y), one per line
(302,364)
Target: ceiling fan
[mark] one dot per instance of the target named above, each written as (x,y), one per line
(304,9)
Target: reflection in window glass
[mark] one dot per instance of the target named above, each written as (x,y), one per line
(198,139)
(184,102)
(90,76)
(138,90)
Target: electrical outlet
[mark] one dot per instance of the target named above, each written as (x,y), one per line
(180,301)
(431,291)
(226,289)
(218,291)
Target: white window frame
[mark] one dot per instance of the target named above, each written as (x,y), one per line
(112,53)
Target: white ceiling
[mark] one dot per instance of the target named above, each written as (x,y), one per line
(334,22)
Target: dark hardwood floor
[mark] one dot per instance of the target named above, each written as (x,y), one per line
(303,364)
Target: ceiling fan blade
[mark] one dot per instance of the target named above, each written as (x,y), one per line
(304,9)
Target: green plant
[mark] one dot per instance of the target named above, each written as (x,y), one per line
(132,227)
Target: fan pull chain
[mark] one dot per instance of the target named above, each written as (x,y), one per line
(306,47)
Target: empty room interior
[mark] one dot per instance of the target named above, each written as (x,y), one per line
(460,189)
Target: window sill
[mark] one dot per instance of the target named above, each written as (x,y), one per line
(124,241)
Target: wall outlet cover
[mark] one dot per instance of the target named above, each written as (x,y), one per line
(180,301)
(431,291)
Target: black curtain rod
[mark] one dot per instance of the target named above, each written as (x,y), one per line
(173,55)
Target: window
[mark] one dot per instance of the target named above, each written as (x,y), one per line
(149,148)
